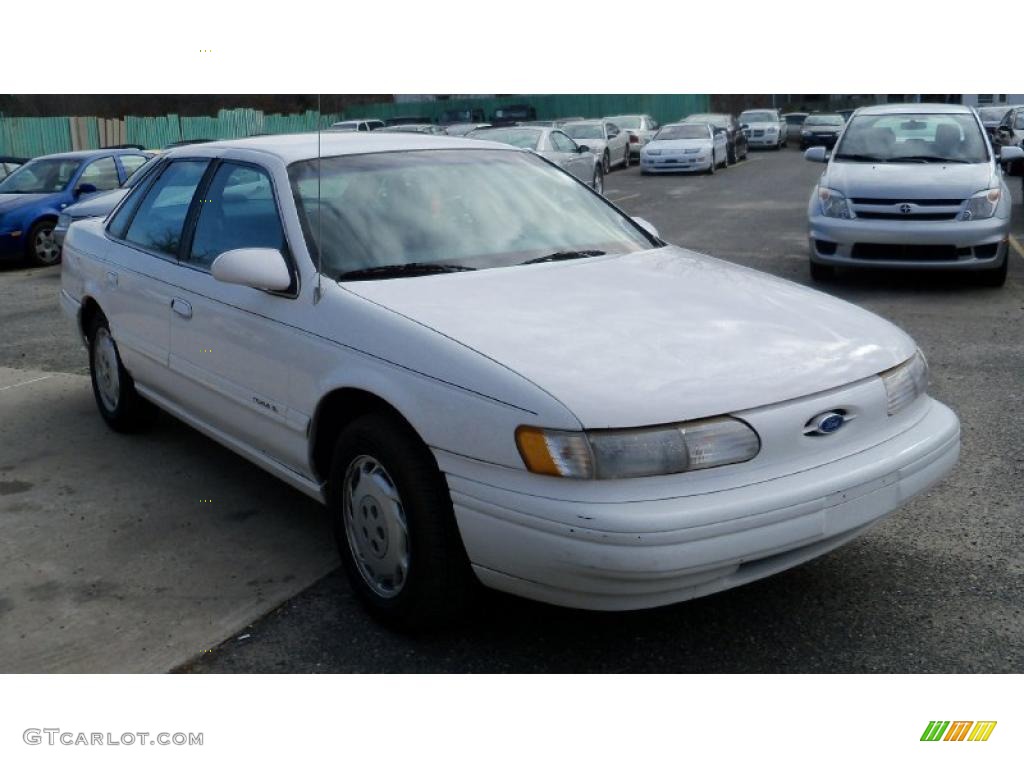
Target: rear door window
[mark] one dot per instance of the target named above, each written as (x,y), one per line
(158,223)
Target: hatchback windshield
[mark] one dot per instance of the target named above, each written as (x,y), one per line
(465,208)
(836,120)
(584,130)
(907,138)
(759,117)
(524,138)
(692,131)
(40,176)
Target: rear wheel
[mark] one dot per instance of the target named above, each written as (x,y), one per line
(119,404)
(43,250)
(822,273)
(394,525)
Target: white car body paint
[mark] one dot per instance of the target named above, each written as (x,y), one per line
(623,340)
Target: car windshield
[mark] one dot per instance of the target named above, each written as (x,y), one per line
(40,176)
(584,130)
(464,208)
(721,121)
(626,121)
(836,120)
(524,138)
(909,138)
(993,114)
(691,131)
(759,117)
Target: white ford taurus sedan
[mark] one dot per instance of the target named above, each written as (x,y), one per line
(488,372)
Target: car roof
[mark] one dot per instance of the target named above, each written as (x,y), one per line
(926,108)
(293,147)
(87,154)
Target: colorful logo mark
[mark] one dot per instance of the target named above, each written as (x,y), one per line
(958,730)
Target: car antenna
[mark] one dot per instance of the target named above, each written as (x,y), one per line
(319,239)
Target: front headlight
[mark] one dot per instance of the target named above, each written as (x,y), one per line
(834,204)
(64,220)
(905,383)
(805,133)
(772,130)
(619,453)
(652,151)
(982,206)
(691,151)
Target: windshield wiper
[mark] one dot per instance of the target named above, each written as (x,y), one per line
(564,256)
(861,158)
(927,159)
(411,269)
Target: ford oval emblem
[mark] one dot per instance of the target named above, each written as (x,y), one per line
(826,423)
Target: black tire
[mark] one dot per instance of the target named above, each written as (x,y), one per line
(129,412)
(35,253)
(627,158)
(822,273)
(606,163)
(598,183)
(731,155)
(438,584)
(711,166)
(993,278)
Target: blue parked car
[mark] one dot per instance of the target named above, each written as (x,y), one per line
(33,197)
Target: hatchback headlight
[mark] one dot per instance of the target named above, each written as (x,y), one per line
(905,383)
(834,204)
(618,453)
(982,206)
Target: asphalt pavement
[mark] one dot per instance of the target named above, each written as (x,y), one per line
(937,587)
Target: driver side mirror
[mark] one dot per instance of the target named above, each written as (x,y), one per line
(85,189)
(1010,154)
(581,148)
(646,226)
(744,126)
(816,155)
(262,268)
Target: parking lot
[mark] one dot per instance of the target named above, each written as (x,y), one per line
(168,551)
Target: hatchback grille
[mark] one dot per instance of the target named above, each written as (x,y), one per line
(907,216)
(897,201)
(899,252)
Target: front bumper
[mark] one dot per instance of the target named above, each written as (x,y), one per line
(12,246)
(767,140)
(674,163)
(691,545)
(981,244)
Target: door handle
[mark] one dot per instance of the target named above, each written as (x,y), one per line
(182,307)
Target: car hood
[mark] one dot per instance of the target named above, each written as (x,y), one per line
(652,337)
(680,144)
(96,205)
(908,180)
(11,202)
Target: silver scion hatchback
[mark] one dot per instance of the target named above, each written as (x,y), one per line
(911,186)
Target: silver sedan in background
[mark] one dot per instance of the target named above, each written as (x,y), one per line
(641,128)
(604,138)
(552,144)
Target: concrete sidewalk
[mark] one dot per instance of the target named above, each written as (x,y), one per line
(134,553)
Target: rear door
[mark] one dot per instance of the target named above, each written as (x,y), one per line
(146,233)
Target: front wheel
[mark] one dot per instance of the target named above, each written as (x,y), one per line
(43,250)
(598,183)
(394,525)
(994,278)
(119,404)
(626,158)
(606,163)
(713,164)
(822,273)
